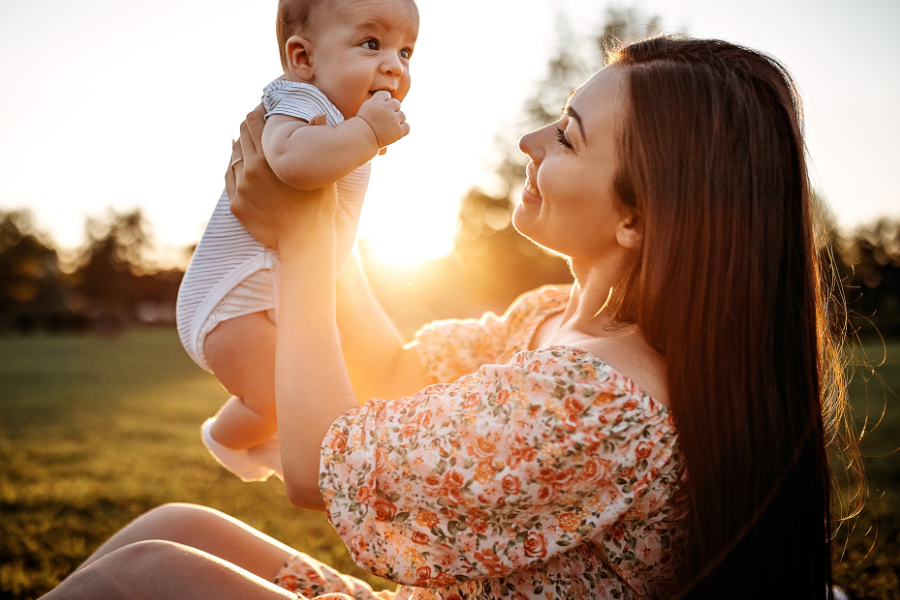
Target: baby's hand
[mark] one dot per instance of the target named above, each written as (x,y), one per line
(383,115)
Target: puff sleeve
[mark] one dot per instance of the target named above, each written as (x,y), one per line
(493,473)
(452,348)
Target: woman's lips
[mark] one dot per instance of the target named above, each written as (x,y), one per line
(530,192)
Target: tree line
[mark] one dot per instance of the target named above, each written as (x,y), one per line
(110,287)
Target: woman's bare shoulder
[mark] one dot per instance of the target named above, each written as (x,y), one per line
(634,358)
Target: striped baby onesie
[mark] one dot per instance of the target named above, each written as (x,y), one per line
(231,274)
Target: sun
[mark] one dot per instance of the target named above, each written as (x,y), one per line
(409,248)
(405,232)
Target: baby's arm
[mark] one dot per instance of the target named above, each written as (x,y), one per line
(308,158)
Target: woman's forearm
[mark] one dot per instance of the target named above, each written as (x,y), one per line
(312,387)
(373,348)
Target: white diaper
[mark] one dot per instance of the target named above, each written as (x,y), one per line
(257,293)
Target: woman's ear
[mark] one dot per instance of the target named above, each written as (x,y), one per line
(629,233)
(298,51)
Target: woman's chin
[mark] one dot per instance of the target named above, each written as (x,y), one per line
(524,220)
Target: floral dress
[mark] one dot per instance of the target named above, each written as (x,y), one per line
(535,474)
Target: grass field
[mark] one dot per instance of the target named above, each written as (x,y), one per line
(95,431)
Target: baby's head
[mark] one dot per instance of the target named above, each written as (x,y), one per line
(349,49)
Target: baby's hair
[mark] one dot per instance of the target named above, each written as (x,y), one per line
(294,16)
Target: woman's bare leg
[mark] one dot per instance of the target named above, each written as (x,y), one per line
(205,529)
(157,570)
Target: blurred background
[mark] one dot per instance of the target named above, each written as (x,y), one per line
(116,121)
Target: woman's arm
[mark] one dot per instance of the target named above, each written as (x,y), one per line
(312,383)
(312,387)
(379,363)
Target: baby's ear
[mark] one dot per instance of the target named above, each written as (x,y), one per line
(298,52)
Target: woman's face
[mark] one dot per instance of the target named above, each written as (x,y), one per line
(568,201)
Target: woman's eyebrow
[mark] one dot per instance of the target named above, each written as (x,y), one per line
(574,114)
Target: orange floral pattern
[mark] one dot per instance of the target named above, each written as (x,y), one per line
(543,474)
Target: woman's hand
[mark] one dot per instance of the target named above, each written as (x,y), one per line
(274,213)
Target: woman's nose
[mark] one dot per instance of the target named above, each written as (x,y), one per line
(530,145)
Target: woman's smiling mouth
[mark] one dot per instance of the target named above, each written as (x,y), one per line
(530,191)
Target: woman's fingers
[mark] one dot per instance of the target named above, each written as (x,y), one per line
(319,120)
(237,154)
(250,141)
(230,183)
(255,122)
(236,163)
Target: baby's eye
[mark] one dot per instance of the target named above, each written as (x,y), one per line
(370,44)
(405,53)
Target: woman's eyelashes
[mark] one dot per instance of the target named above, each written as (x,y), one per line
(562,139)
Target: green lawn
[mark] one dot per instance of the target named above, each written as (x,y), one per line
(95,431)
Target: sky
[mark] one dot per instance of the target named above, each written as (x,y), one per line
(125,104)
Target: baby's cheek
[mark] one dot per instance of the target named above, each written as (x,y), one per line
(403,89)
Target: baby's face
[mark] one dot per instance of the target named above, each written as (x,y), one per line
(361,47)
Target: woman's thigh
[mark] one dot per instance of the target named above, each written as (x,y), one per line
(205,529)
(157,569)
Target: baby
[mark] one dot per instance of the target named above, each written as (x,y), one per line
(347,60)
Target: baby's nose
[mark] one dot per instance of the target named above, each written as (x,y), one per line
(392,66)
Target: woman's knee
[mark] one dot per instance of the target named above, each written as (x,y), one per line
(178,521)
(178,511)
(148,552)
(150,568)
(121,572)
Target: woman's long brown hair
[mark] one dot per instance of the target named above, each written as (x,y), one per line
(728,288)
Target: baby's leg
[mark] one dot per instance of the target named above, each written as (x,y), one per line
(241,353)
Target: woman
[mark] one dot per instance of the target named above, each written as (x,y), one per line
(694,341)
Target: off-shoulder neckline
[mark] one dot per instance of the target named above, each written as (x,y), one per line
(594,357)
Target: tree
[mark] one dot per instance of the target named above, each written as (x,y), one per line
(874,282)
(115,286)
(31,289)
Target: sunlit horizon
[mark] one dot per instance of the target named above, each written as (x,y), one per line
(406,252)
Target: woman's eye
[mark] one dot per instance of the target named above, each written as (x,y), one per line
(370,44)
(562,139)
